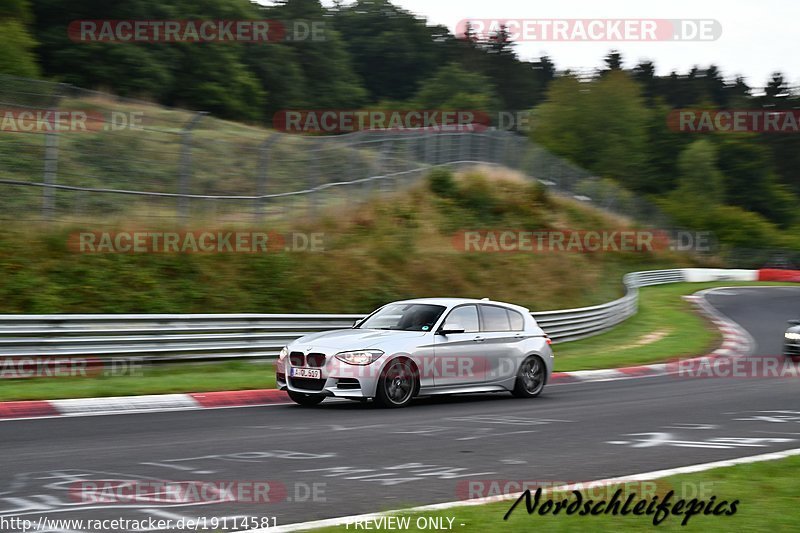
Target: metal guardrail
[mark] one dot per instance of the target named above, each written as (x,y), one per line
(207,337)
(573,324)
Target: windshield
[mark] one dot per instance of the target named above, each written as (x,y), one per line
(405,317)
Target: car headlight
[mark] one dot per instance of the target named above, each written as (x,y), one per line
(792,336)
(284,353)
(359,357)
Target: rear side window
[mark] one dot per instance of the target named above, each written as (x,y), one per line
(517,321)
(466,316)
(495,318)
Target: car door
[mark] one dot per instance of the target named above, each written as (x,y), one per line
(459,357)
(501,329)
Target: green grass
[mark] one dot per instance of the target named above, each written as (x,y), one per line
(681,331)
(233,375)
(767,494)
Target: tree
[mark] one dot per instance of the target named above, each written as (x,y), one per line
(600,125)
(645,74)
(327,68)
(17,46)
(750,180)
(700,182)
(454,88)
(392,50)
(613,61)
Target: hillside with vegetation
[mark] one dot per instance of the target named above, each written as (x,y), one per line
(398,246)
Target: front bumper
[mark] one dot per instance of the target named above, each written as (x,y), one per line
(791,349)
(337,378)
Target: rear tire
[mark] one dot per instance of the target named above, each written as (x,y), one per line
(306,400)
(530,378)
(398,384)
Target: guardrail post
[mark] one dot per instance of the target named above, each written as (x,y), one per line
(185,169)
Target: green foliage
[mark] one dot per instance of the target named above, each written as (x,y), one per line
(376,54)
(750,181)
(17,56)
(441,181)
(601,125)
(454,88)
(399,247)
(700,182)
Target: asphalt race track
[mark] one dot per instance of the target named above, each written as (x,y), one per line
(345,458)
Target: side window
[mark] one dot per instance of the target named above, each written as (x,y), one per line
(466,316)
(495,318)
(517,321)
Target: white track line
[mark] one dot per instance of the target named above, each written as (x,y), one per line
(647,476)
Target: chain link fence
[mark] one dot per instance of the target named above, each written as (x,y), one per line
(137,161)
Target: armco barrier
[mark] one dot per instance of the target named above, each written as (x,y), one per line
(774,274)
(186,338)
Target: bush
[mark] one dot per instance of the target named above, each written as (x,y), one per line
(441,182)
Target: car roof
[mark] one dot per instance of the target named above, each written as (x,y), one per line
(451,302)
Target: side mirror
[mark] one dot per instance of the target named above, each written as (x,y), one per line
(794,322)
(451,327)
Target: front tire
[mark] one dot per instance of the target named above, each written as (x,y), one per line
(306,400)
(397,385)
(530,378)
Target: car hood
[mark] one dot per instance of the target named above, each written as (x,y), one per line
(354,339)
(793,329)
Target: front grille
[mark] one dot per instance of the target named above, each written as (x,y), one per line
(297,359)
(307,383)
(792,349)
(315,359)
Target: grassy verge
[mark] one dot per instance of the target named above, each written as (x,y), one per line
(666,326)
(233,375)
(767,494)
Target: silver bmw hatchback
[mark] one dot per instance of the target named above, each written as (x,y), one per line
(421,347)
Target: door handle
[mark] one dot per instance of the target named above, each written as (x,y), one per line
(478,339)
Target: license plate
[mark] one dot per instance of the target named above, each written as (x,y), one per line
(312,373)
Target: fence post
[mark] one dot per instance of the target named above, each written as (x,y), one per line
(428,139)
(383,166)
(50,166)
(185,165)
(264,160)
(315,179)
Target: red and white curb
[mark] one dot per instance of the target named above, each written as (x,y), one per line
(140,404)
(735,342)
